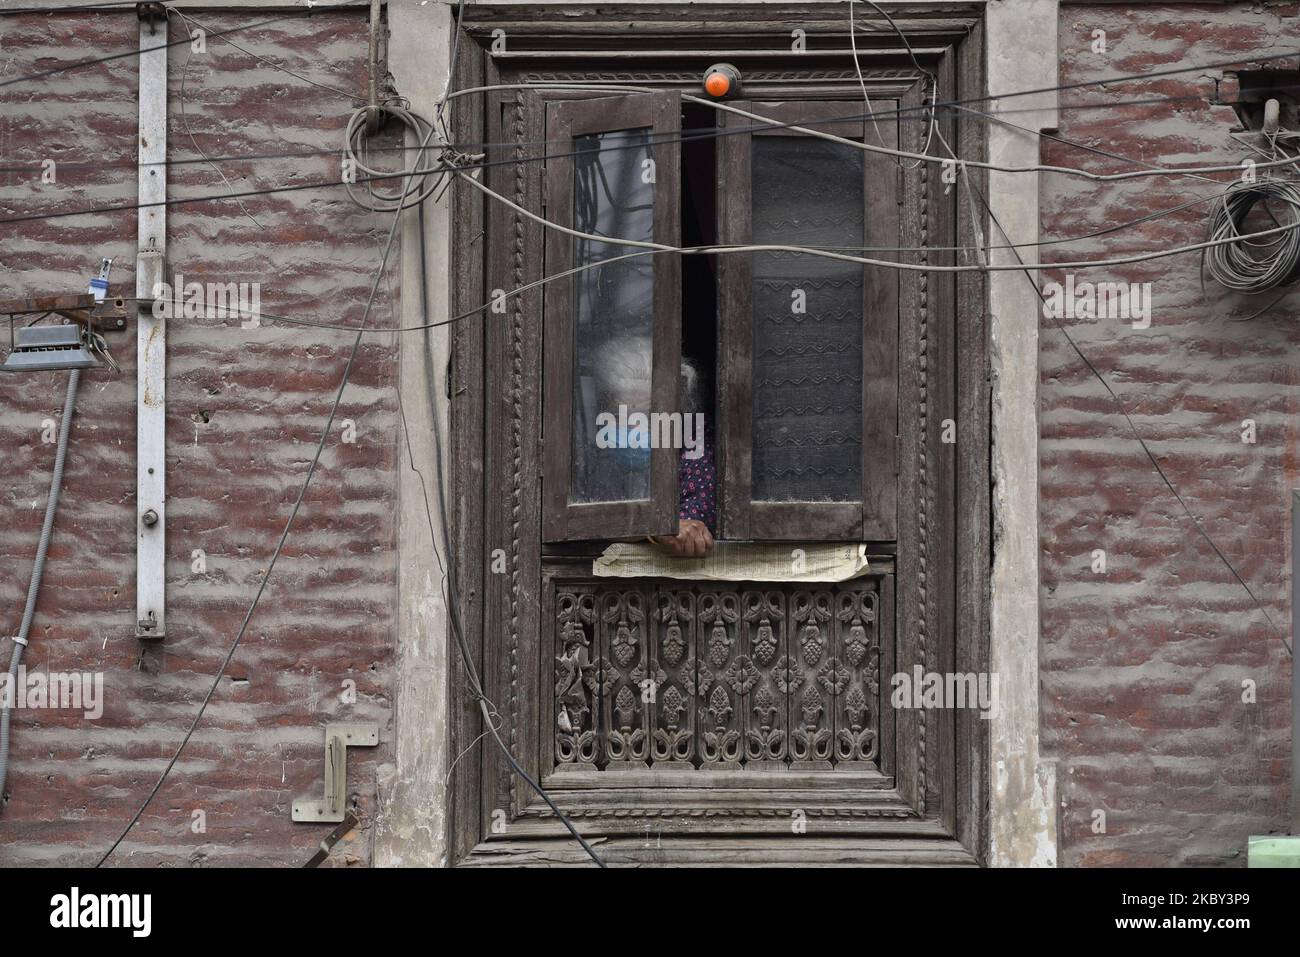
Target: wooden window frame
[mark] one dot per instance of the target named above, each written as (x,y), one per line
(562,519)
(944,534)
(873,517)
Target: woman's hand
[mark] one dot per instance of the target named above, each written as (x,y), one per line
(693,540)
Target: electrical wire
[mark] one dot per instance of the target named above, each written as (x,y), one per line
(127,54)
(185,120)
(449,584)
(656,139)
(862,83)
(684,250)
(657,248)
(279,548)
(271,63)
(902,113)
(405,198)
(1197,172)
(1119,403)
(183,201)
(719,249)
(1132,426)
(857,66)
(216,197)
(866,261)
(867,147)
(70,8)
(1057,138)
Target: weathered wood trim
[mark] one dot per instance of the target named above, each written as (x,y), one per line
(752,852)
(974,553)
(467,472)
(873,516)
(809,848)
(567,118)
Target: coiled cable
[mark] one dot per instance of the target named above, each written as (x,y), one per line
(418,183)
(1253,267)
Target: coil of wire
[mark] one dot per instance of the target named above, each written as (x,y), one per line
(418,182)
(1256,266)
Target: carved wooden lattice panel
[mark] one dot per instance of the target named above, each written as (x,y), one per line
(857,649)
(722,675)
(672,656)
(817,679)
(623,685)
(683,677)
(577,679)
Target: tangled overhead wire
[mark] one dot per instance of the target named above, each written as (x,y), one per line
(1253,267)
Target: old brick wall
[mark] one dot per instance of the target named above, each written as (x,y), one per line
(245,409)
(1143,665)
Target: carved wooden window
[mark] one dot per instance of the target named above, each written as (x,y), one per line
(613,333)
(807,347)
(809,363)
(692,722)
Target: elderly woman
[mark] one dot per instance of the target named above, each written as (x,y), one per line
(619,379)
(697,484)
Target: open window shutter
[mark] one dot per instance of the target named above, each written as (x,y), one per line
(809,379)
(612,346)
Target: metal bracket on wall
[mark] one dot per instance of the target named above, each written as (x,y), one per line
(338,738)
(151,332)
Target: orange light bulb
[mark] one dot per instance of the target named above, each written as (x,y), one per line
(717,84)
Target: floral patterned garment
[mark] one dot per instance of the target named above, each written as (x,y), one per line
(697,485)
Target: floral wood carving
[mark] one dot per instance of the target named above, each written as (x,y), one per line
(700,677)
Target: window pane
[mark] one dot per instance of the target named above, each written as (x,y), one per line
(613,303)
(807,363)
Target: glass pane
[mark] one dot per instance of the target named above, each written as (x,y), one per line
(614,318)
(807,363)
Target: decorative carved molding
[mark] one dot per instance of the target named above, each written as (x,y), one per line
(519,250)
(923,464)
(766,697)
(648,77)
(542,811)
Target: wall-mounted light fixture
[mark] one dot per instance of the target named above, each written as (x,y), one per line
(75,344)
(45,348)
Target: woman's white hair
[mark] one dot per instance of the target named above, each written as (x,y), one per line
(626,360)
(690,398)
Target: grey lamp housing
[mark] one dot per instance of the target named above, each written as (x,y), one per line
(46,348)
